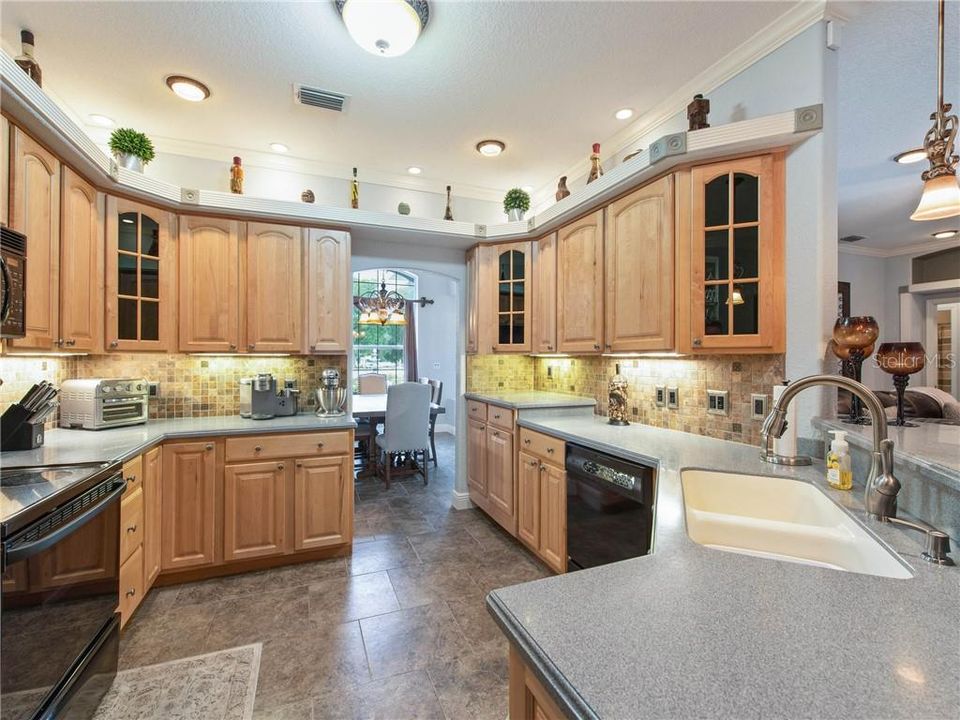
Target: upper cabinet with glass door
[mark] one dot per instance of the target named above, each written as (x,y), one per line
(736,258)
(141,269)
(512,331)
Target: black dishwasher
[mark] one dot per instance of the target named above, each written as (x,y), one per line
(609,508)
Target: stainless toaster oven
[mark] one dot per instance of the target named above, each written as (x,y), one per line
(99,403)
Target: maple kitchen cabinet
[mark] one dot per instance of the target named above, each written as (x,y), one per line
(512,295)
(491,462)
(329,295)
(473,300)
(734,257)
(323,502)
(254,509)
(191,488)
(639,256)
(542,497)
(545,295)
(140,278)
(152,518)
(273,288)
(477,462)
(209,284)
(580,285)
(35,211)
(4,170)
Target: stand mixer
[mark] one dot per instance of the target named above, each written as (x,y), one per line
(330,396)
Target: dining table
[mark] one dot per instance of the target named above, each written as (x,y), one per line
(373,408)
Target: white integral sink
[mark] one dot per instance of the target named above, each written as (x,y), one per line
(782,519)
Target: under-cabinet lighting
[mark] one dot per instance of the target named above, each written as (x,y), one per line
(44,354)
(549,355)
(239,355)
(642,355)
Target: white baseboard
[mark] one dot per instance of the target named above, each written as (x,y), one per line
(449,429)
(461,501)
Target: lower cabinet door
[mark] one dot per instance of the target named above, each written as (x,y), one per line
(88,554)
(189,511)
(323,502)
(500,459)
(151,516)
(553,517)
(131,585)
(477,461)
(528,501)
(254,509)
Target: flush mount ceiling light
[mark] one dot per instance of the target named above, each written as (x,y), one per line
(414,170)
(387,28)
(624,114)
(490,148)
(101,121)
(527,188)
(944,234)
(188,88)
(279,147)
(911,156)
(941,193)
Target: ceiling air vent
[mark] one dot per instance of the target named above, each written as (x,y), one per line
(315,97)
(852,238)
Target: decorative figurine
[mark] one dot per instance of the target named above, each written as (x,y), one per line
(697,112)
(596,170)
(403,208)
(307,196)
(355,191)
(25,59)
(448,215)
(618,399)
(236,176)
(562,190)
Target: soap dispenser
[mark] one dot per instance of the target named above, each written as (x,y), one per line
(839,469)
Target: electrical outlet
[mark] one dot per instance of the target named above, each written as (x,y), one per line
(758,406)
(660,395)
(718,402)
(549,371)
(153,389)
(436,366)
(673,398)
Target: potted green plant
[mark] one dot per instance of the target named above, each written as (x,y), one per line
(132,149)
(515,203)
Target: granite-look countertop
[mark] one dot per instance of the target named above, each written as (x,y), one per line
(532,399)
(694,632)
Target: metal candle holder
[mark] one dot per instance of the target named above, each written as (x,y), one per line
(901,359)
(853,341)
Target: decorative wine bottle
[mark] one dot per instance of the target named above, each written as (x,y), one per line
(236,176)
(448,215)
(617,399)
(355,191)
(595,169)
(25,59)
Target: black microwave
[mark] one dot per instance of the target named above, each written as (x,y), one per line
(13,283)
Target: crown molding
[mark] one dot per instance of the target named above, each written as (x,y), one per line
(899,250)
(801,16)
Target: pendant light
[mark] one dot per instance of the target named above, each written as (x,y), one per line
(941,194)
(381,307)
(387,28)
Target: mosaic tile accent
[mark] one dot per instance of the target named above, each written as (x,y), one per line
(190,385)
(498,373)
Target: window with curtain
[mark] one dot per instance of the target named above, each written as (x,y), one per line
(380,349)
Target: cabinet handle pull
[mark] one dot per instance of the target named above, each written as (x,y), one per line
(596,346)
(70,343)
(257,448)
(131,479)
(132,529)
(550,451)
(549,347)
(208,446)
(299,464)
(496,433)
(497,416)
(697,342)
(533,463)
(526,441)
(114,343)
(233,346)
(131,592)
(483,427)
(609,346)
(320,445)
(279,466)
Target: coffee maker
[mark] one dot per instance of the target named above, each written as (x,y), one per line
(266,403)
(330,396)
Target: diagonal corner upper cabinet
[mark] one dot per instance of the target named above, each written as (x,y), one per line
(639,255)
(328,291)
(580,285)
(273,287)
(512,283)
(209,284)
(734,258)
(140,277)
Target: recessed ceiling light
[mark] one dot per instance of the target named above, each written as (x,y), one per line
(101,121)
(490,148)
(624,114)
(911,156)
(414,170)
(527,188)
(944,234)
(279,147)
(188,88)
(387,28)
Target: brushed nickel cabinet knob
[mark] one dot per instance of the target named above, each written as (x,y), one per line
(208,446)
(114,343)
(131,592)
(279,466)
(251,346)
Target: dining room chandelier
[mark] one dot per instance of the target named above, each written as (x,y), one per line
(381,307)
(941,193)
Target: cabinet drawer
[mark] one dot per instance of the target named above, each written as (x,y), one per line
(547,448)
(269,447)
(131,523)
(133,474)
(131,585)
(476,410)
(501,417)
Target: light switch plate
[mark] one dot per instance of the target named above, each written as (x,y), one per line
(758,406)
(660,395)
(673,398)
(153,389)
(718,402)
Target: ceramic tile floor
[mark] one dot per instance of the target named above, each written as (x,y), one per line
(397,631)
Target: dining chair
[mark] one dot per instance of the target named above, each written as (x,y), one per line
(406,428)
(436,397)
(372,384)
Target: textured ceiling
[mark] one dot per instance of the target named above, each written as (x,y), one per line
(887,90)
(545,77)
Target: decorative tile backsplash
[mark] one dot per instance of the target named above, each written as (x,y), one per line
(740,375)
(190,385)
